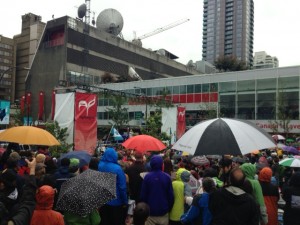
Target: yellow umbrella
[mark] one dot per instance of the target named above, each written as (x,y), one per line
(184,154)
(29,136)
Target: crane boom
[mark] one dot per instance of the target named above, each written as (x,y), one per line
(161,29)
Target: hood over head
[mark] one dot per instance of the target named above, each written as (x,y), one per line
(265,175)
(110,155)
(185,176)
(45,197)
(249,170)
(156,162)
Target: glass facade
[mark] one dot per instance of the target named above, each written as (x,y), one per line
(253,99)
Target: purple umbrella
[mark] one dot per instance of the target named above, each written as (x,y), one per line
(291,150)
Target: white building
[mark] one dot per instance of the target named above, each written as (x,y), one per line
(263,60)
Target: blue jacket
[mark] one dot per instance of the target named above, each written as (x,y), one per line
(109,163)
(157,190)
(198,211)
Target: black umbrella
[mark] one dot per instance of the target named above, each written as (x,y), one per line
(87,191)
(222,136)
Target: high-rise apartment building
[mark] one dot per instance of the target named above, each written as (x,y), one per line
(228,30)
(7,68)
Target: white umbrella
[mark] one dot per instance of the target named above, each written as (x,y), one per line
(222,136)
(278,137)
(290,162)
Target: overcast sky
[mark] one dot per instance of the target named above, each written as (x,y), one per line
(276,23)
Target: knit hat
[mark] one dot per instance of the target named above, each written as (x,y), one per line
(74,162)
(185,176)
(265,174)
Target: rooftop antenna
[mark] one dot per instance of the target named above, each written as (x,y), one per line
(84,10)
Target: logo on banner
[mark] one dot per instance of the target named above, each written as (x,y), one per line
(87,105)
(181,115)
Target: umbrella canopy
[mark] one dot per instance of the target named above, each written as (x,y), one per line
(144,143)
(222,136)
(200,160)
(289,140)
(291,150)
(278,137)
(290,162)
(28,135)
(214,156)
(87,191)
(83,156)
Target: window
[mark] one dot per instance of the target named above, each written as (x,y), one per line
(246,106)
(266,106)
(246,85)
(227,87)
(266,84)
(227,106)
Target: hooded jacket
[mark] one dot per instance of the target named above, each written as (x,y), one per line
(157,190)
(179,194)
(271,195)
(250,171)
(43,213)
(109,163)
(232,206)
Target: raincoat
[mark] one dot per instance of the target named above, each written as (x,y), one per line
(157,190)
(271,195)
(43,213)
(178,188)
(109,163)
(250,171)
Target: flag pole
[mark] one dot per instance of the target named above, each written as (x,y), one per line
(108,136)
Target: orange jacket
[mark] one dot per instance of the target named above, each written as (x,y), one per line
(43,213)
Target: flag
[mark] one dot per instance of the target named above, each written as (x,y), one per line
(116,135)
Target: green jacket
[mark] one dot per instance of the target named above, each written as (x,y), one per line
(178,188)
(250,171)
(92,219)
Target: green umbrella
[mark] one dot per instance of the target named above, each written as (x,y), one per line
(290,140)
(290,162)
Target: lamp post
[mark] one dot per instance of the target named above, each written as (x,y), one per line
(142,93)
(4,72)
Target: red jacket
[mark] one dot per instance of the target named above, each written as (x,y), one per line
(43,213)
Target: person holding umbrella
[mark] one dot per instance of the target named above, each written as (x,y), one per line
(115,211)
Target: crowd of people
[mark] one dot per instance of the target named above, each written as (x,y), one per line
(157,188)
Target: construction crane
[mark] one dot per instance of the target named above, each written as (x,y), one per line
(138,41)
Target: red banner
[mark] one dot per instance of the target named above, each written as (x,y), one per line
(85,131)
(41,105)
(181,125)
(22,104)
(53,105)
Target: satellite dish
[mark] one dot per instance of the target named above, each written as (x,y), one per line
(133,74)
(161,52)
(81,11)
(110,21)
(191,64)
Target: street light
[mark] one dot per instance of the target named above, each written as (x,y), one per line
(10,68)
(143,93)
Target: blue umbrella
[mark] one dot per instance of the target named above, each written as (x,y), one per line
(83,156)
